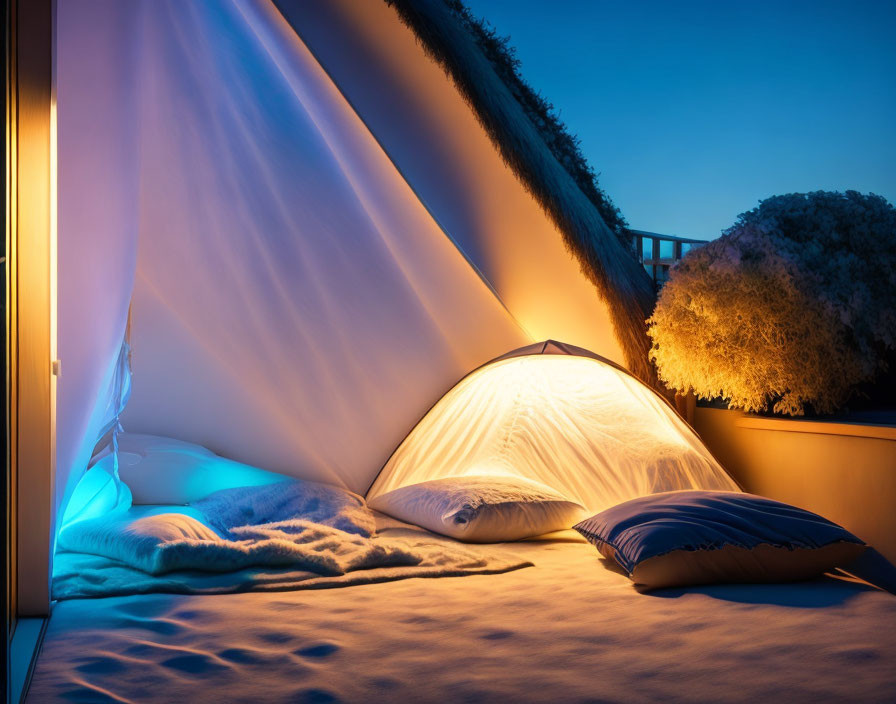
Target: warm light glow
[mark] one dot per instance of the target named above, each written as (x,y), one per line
(578,425)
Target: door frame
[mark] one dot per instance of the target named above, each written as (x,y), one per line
(31,362)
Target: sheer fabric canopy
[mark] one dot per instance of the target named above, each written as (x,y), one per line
(296,307)
(307,270)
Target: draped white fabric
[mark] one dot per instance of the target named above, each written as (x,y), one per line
(296,307)
(97,222)
(575,424)
(433,136)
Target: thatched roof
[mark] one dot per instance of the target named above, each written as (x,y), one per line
(545,158)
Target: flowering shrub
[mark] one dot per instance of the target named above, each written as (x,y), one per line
(794,306)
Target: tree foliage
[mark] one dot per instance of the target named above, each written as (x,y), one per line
(793,307)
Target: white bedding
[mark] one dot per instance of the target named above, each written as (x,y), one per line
(569,629)
(173,549)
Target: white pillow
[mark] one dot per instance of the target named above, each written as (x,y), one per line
(481,509)
(162,470)
(138,537)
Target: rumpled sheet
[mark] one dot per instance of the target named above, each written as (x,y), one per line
(175,549)
(567,630)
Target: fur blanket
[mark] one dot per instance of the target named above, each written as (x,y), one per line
(283,536)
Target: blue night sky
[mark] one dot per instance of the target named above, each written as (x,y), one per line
(693,111)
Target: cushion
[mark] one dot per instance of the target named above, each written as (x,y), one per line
(160,470)
(681,538)
(481,509)
(285,501)
(134,537)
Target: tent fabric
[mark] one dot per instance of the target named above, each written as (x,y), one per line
(448,37)
(562,417)
(97,123)
(296,307)
(430,132)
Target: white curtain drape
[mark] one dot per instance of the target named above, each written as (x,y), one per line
(97,181)
(296,307)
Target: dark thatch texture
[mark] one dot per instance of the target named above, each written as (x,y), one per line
(450,36)
(565,146)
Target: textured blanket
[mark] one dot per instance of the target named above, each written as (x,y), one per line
(199,550)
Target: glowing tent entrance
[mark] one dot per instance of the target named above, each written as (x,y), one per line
(564,417)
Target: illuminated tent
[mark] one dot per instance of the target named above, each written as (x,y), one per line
(562,416)
(311,226)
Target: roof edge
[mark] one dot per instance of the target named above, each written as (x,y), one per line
(615,272)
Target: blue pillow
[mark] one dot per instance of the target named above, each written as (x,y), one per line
(679,538)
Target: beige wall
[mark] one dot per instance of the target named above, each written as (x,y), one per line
(836,470)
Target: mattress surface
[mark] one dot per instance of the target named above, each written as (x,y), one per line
(569,629)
